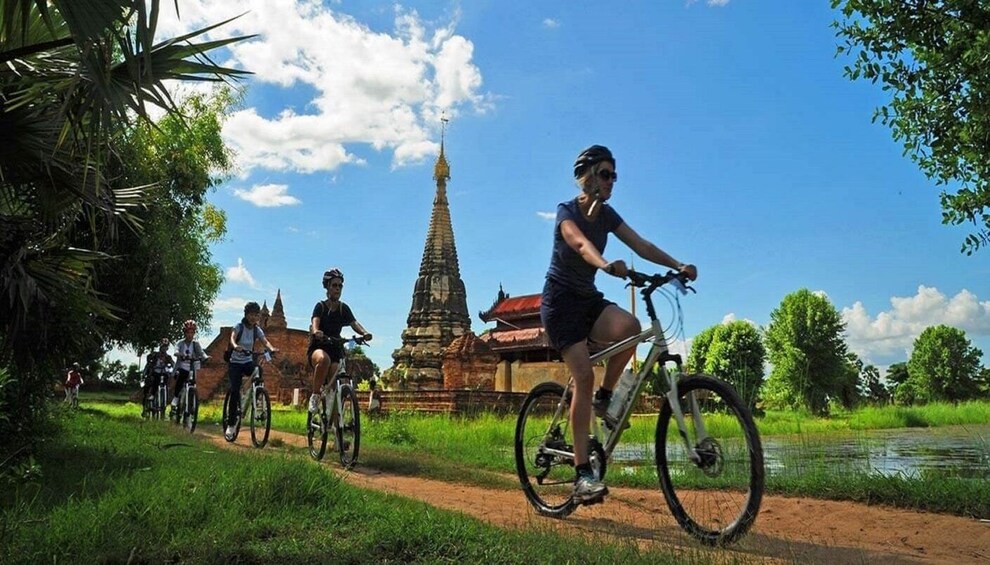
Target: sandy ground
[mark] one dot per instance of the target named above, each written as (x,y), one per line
(788,530)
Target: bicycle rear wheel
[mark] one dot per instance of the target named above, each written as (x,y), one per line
(348,430)
(261,418)
(544,452)
(715,498)
(191,417)
(317,431)
(227,420)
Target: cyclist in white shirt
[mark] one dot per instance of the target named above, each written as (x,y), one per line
(187,352)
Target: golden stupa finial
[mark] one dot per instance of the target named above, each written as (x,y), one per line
(441,171)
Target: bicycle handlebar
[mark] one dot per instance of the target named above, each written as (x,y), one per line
(653,282)
(358,340)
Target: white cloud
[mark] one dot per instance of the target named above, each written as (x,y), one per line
(267,195)
(718,3)
(231,304)
(240,274)
(385,90)
(551,23)
(549,216)
(889,336)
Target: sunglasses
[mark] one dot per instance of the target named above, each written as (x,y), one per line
(608,175)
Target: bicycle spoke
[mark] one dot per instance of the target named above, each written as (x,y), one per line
(547,479)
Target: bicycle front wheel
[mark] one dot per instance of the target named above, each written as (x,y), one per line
(348,428)
(715,489)
(317,431)
(544,452)
(161,400)
(261,418)
(192,410)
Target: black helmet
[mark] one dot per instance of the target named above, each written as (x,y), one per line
(251,307)
(590,157)
(333,273)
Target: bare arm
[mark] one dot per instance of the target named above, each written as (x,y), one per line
(314,328)
(651,252)
(356,326)
(577,241)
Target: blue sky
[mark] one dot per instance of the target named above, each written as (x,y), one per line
(740,147)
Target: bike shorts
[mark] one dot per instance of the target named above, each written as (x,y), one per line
(334,350)
(568,316)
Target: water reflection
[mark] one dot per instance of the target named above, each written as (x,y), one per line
(953,451)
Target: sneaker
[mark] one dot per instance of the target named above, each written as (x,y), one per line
(601,401)
(175,402)
(314,402)
(231,431)
(589,490)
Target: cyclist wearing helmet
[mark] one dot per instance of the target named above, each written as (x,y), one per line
(574,311)
(186,352)
(329,317)
(242,339)
(157,367)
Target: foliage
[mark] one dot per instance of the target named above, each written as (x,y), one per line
(944,366)
(932,59)
(163,274)
(805,345)
(871,388)
(72,75)
(734,353)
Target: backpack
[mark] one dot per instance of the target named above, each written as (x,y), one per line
(240,331)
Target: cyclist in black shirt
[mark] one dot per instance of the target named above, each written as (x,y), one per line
(329,317)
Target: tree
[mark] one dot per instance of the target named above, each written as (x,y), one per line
(805,345)
(164,274)
(932,57)
(734,353)
(71,72)
(871,388)
(944,366)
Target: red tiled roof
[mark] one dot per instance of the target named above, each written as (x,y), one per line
(514,308)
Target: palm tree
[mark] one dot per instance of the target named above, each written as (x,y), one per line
(71,71)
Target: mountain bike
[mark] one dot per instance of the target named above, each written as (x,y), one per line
(708,454)
(187,411)
(72,396)
(254,398)
(338,409)
(155,403)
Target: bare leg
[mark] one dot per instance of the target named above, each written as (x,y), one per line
(578,363)
(614,324)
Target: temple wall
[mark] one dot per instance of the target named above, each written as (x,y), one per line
(521,376)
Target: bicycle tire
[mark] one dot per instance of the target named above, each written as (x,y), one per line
(348,432)
(192,410)
(717,499)
(317,431)
(225,421)
(261,413)
(551,498)
(161,400)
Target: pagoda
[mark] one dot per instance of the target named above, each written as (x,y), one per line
(439,311)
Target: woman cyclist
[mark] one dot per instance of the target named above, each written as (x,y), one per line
(187,352)
(574,311)
(72,381)
(329,317)
(242,339)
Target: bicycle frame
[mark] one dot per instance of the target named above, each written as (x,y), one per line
(659,354)
(331,397)
(251,394)
(189,385)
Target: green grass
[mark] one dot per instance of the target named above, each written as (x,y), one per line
(114,488)
(478,450)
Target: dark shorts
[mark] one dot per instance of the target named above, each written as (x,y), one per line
(568,316)
(334,350)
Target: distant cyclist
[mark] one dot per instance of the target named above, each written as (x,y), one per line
(242,339)
(157,368)
(574,311)
(329,317)
(185,352)
(72,381)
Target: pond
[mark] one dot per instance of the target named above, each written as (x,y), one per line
(951,451)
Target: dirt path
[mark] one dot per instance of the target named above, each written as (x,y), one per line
(794,530)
